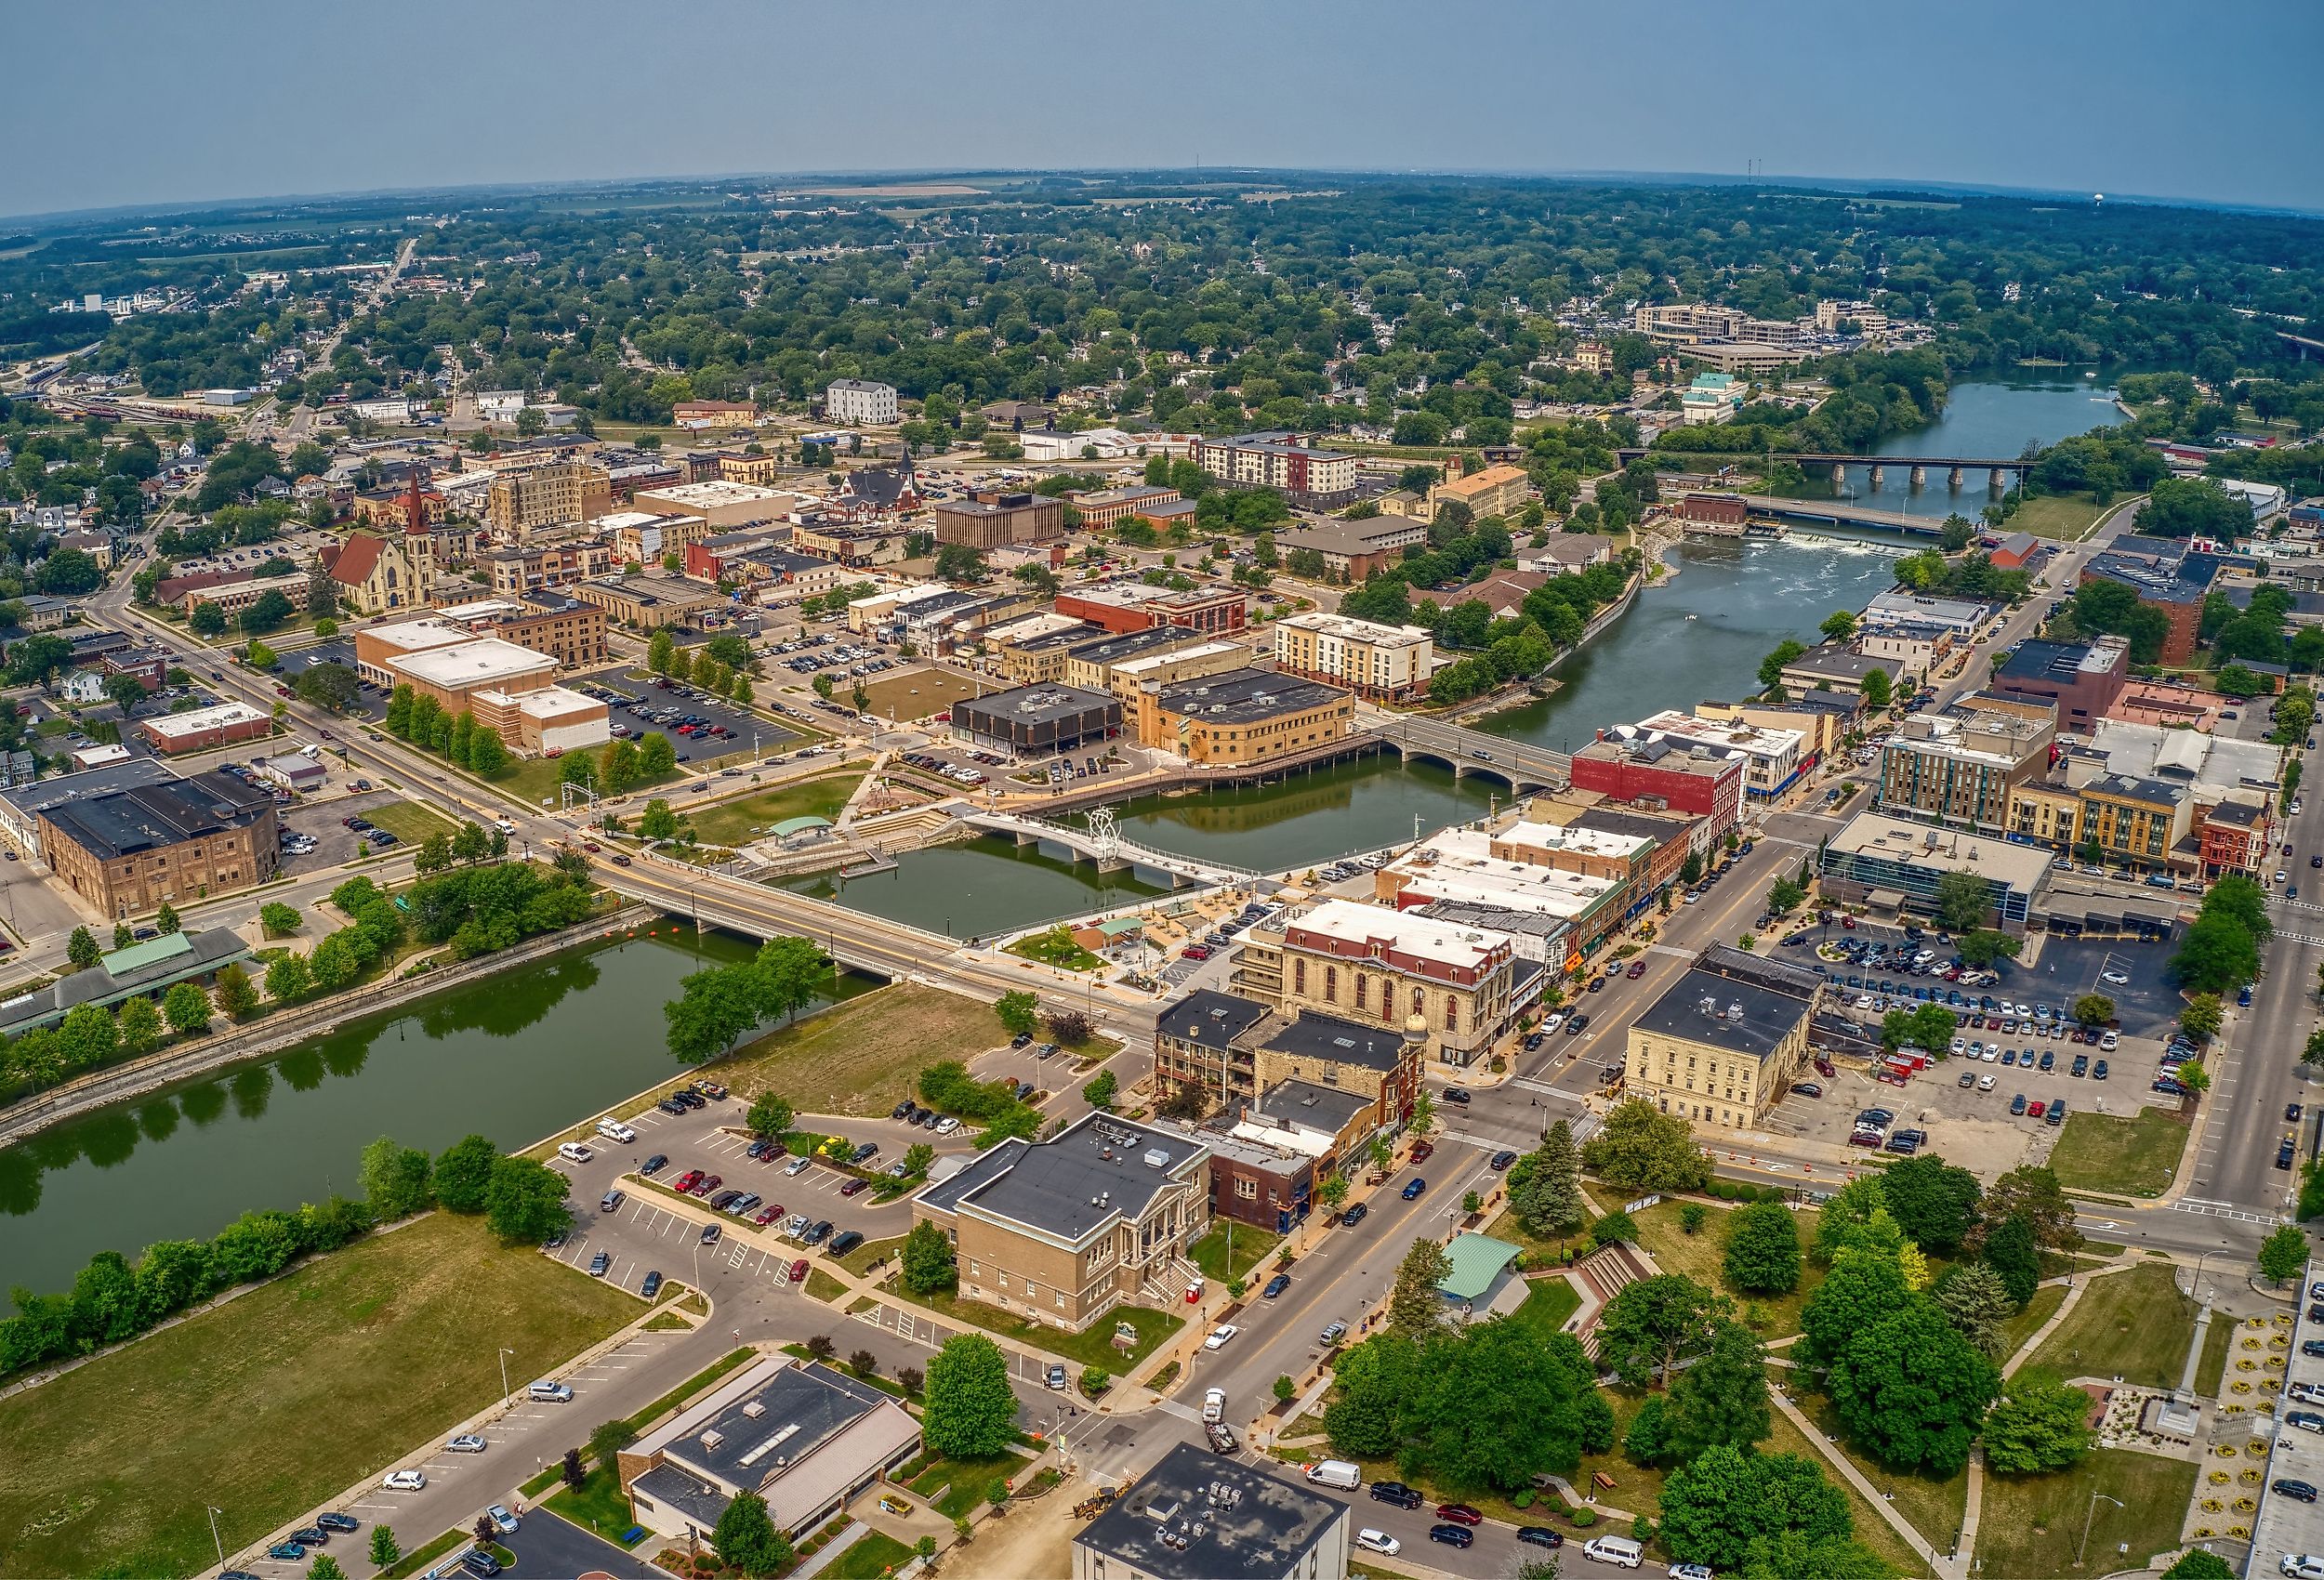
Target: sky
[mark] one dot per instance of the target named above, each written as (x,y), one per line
(158,101)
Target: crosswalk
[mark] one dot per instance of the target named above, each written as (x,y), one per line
(2221,1209)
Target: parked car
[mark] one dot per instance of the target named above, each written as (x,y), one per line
(1413,1187)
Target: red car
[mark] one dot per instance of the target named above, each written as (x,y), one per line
(1460,1514)
(854,1187)
(686,1181)
(1194,952)
(767,1213)
(1637,970)
(1422,1151)
(799,1270)
(706,1186)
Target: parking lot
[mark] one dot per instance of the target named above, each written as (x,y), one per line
(648,707)
(2064,969)
(322,822)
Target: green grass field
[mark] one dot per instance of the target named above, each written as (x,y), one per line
(861,1058)
(2133,1325)
(2040,1309)
(1547,1304)
(410,822)
(598,1505)
(2136,1156)
(2066,516)
(280,1398)
(1251,1247)
(1092,1346)
(739,822)
(2030,1526)
(1702,1255)
(1932,1507)
(953,1487)
(869,1558)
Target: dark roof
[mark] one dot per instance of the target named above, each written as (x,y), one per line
(1113,649)
(153,817)
(688,1494)
(1639,826)
(800,1409)
(1242,696)
(1334,1041)
(1198,1517)
(2155,578)
(1036,704)
(46,793)
(1724,1012)
(2239,814)
(2133,788)
(2055,662)
(878,485)
(1097,1170)
(1208,1020)
(1304,1102)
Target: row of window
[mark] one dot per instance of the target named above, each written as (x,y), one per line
(1363,992)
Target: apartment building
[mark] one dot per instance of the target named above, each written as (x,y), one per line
(1774,757)
(2138,822)
(1725,1041)
(1237,1048)
(645,538)
(860,401)
(1353,550)
(1241,715)
(1062,1232)
(548,560)
(530,499)
(1492,491)
(1319,480)
(1958,766)
(2175,581)
(1383,663)
(1455,987)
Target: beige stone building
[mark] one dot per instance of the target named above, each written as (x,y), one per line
(1454,984)
(1385,663)
(1725,1040)
(523,501)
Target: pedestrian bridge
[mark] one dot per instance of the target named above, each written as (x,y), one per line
(1095,840)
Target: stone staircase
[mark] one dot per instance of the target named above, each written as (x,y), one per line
(1603,1274)
(1167,1282)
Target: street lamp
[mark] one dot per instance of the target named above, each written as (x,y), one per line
(2083,1545)
(214,1541)
(503,1375)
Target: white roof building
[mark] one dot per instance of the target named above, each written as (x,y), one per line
(1771,757)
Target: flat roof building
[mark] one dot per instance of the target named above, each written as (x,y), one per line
(203,728)
(1195,1516)
(722,505)
(1722,1043)
(127,850)
(1242,716)
(1035,720)
(1384,663)
(1893,865)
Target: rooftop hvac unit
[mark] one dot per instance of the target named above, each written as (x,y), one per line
(1157,1158)
(1734,1010)
(754,1409)
(711,1439)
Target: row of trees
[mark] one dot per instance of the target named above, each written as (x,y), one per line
(2220,950)
(715,1007)
(423,722)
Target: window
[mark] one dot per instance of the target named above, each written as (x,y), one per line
(1299,976)
(1419,1002)
(1246,1188)
(1361,985)
(1452,1013)
(1331,984)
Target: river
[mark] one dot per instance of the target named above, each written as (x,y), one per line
(513,1057)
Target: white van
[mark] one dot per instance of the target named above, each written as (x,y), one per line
(1335,1473)
(614,1130)
(558,1393)
(1615,1550)
(574,1152)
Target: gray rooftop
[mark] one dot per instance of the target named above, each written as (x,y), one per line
(1129,644)
(1373,1045)
(792,1414)
(1100,1168)
(1724,1012)
(1198,1517)
(155,816)
(1241,696)
(1303,1102)
(1035,704)
(44,793)
(1209,1020)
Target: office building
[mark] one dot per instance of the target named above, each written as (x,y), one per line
(1455,988)
(721,506)
(1241,715)
(988,520)
(1957,765)
(1353,550)
(650,599)
(1893,866)
(1133,606)
(126,851)
(1235,1049)
(509,689)
(1382,663)
(1038,720)
(1491,491)
(1198,1517)
(199,730)
(1062,1232)
(1724,1042)
(1091,663)
(859,400)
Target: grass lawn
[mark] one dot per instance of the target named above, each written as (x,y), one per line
(869,1558)
(1548,1303)
(916,693)
(1092,1346)
(1057,948)
(598,1505)
(1871,1530)
(822,1286)
(1636,1487)
(413,1561)
(1932,1507)
(2040,1309)
(861,1057)
(2133,1325)
(1251,1246)
(1539,1252)
(280,1398)
(2057,516)
(2031,1525)
(859,1261)
(410,822)
(739,822)
(955,1486)
(1701,1256)
(2128,1157)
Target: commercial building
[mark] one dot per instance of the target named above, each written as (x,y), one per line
(843,541)
(1963,617)
(509,689)
(1133,606)
(2082,680)
(524,500)
(126,850)
(1723,1042)
(1104,508)
(1037,720)
(1492,491)
(1586,880)
(1957,765)
(2236,836)
(1384,663)
(1130,677)
(1823,720)
(235,596)
(1237,1048)
(2216,767)
(859,400)
(1033,651)
(2138,822)
(142,970)
(1241,715)
(1893,865)
(1198,1517)
(1062,1232)
(650,599)
(2173,580)
(1091,663)
(201,729)
(1774,757)
(1453,988)
(1832,667)
(722,505)
(1632,769)
(547,559)
(714,414)
(1319,480)
(643,537)
(803,1436)
(1353,550)
(985,521)
(567,629)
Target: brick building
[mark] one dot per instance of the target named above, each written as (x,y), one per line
(126,851)
(989,519)
(1628,769)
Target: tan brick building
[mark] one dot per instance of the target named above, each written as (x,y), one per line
(1240,716)
(1062,1232)
(1237,1048)
(523,501)
(1388,968)
(178,839)
(1724,1042)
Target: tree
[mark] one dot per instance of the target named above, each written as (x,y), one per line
(746,1538)
(2216,955)
(1763,1255)
(1839,626)
(1785,897)
(278,918)
(325,1567)
(1962,901)
(2094,1009)
(1863,1288)
(926,1260)
(1715,1509)
(1982,946)
(1545,1186)
(1876,689)
(1639,1149)
(123,937)
(464,1173)
(394,1179)
(332,686)
(1617,1228)
(384,1552)
(1771,667)
(2033,1192)
(2013,1253)
(1912,1390)
(81,949)
(2284,1253)
(1933,1202)
(187,1008)
(770,1117)
(525,1201)
(1976,1302)
(236,994)
(1098,1093)
(1491,1404)
(1653,1325)
(660,650)
(2202,1017)
(2038,1427)
(1722,1399)
(1414,1306)
(166,920)
(2200,1565)
(971,1413)
(140,1026)
(289,978)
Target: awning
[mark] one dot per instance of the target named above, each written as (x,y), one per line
(1886,898)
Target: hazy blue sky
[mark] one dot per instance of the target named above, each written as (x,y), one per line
(161,101)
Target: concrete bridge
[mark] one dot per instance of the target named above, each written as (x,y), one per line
(1468,752)
(2001,470)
